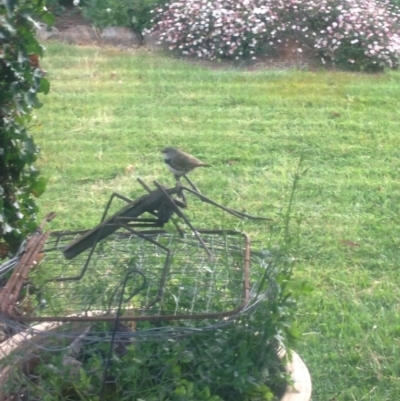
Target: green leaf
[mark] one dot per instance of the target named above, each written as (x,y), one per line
(215,398)
(32,100)
(6,30)
(29,146)
(39,187)
(10,6)
(44,86)
(7,228)
(205,393)
(48,19)
(180,390)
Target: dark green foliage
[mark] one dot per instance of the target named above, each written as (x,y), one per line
(55,7)
(20,80)
(134,14)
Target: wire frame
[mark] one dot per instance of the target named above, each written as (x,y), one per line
(123,276)
(156,276)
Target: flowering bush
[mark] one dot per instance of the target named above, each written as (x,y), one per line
(360,34)
(216,29)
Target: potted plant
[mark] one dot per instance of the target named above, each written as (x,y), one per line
(241,357)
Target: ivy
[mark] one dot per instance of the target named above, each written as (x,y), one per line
(21,79)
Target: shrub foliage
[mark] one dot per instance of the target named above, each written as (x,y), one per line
(358,34)
(134,14)
(20,80)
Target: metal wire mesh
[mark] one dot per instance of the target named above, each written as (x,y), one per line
(90,359)
(137,318)
(186,284)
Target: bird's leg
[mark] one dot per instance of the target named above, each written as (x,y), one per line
(191,183)
(178,186)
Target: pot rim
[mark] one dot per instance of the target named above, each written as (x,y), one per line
(301,388)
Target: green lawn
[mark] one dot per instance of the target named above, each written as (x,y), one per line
(110,113)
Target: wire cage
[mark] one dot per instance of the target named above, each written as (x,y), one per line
(127,305)
(116,313)
(140,280)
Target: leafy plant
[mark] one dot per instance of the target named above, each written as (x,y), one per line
(134,14)
(58,7)
(191,359)
(20,80)
(359,34)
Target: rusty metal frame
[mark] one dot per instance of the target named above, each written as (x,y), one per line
(161,204)
(10,292)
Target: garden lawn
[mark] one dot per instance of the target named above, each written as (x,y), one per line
(109,113)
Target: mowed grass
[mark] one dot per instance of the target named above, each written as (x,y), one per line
(110,113)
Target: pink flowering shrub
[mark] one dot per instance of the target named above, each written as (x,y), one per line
(358,34)
(215,29)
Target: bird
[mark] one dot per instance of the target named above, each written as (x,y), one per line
(179,162)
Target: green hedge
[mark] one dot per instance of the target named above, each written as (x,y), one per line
(134,14)
(20,80)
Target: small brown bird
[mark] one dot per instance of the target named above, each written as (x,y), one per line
(179,162)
